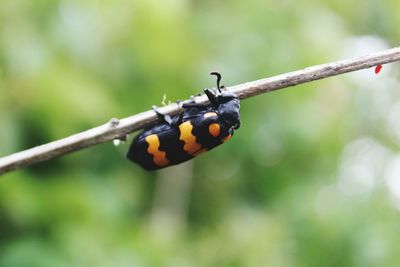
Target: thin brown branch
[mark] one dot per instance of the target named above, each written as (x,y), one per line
(118,129)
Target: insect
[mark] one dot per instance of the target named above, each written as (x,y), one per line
(199,128)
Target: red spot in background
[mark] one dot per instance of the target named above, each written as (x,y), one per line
(378,68)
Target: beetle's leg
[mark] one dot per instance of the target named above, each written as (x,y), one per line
(176,120)
(194,105)
(213,99)
(163,117)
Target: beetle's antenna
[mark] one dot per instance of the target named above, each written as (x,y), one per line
(218,79)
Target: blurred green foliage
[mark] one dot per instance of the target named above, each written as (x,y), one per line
(312,178)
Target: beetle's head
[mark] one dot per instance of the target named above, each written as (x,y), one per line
(228,109)
(227,104)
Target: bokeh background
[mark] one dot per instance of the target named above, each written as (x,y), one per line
(312,178)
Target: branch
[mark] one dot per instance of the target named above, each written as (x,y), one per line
(118,129)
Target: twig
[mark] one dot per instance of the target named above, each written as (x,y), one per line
(118,129)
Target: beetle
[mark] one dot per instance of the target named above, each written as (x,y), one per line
(199,128)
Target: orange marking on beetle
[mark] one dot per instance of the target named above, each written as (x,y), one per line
(214,129)
(191,146)
(159,157)
(210,114)
(226,138)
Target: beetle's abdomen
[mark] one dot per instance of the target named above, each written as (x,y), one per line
(157,148)
(165,145)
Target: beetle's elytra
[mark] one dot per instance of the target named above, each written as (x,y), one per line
(197,129)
